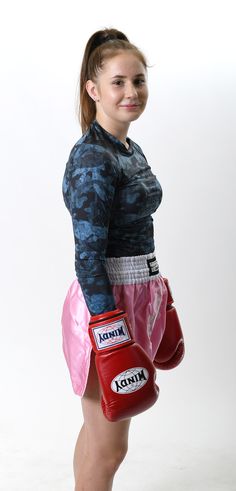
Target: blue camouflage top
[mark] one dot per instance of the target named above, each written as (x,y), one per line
(110,192)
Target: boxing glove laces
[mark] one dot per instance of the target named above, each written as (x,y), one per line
(126,373)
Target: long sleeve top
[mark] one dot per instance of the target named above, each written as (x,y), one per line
(111,193)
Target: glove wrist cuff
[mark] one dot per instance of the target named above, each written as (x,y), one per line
(105,316)
(109,331)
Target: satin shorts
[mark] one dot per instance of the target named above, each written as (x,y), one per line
(139,289)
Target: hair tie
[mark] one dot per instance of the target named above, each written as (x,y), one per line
(104,39)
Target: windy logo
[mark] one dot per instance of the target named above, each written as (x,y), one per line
(111,335)
(130,380)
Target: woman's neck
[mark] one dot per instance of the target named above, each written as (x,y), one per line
(119,131)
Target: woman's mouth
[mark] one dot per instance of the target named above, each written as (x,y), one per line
(130,106)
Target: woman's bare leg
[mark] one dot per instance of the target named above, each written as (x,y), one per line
(101,445)
(79,452)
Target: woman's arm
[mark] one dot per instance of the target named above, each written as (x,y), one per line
(90,188)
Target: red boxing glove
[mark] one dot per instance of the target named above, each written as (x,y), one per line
(171,349)
(126,373)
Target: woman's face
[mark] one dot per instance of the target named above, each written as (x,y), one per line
(121,90)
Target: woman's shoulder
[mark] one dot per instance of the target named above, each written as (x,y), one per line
(88,153)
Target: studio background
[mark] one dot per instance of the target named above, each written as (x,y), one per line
(187,440)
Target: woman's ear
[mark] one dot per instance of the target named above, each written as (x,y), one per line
(92,90)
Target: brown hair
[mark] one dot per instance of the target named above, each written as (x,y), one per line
(101,46)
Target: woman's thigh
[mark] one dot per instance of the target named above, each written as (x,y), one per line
(101,435)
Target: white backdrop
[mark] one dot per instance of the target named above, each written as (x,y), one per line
(187,440)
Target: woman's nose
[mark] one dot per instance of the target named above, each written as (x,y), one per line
(131,90)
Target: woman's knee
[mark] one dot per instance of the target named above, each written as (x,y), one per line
(118,457)
(109,459)
(107,444)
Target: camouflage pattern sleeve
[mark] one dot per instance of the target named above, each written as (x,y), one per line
(88,188)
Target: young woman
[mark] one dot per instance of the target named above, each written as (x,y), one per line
(111,193)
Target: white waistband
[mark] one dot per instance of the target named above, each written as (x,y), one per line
(132,269)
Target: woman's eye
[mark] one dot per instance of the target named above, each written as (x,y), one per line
(139,81)
(118,82)
(136,82)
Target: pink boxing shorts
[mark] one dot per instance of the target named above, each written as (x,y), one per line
(138,289)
